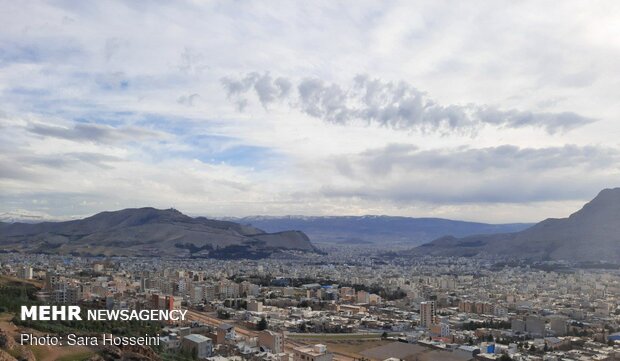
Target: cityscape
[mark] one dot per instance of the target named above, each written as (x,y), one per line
(324,180)
(347,305)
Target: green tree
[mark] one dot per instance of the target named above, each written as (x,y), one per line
(262,324)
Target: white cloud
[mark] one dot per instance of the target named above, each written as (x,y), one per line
(119,104)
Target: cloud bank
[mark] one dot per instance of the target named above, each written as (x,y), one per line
(397,105)
(504,174)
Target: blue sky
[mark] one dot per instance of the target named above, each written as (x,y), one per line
(488,111)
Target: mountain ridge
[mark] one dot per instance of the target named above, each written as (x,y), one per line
(590,234)
(149,231)
(375,229)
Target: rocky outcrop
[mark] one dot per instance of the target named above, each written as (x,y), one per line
(4,356)
(126,353)
(6,341)
(139,353)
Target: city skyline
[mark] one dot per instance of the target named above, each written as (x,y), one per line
(486,111)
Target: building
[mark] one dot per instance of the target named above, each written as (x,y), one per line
(427,313)
(172,341)
(25,272)
(353,309)
(374,299)
(210,292)
(197,294)
(52,281)
(312,353)
(614,337)
(58,296)
(225,332)
(466,306)
(532,324)
(198,345)
(559,325)
(363,297)
(517,325)
(270,341)
(255,306)
(73,295)
(535,326)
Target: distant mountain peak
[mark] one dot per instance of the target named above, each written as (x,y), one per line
(608,198)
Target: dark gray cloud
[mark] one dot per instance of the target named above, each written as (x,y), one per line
(71,160)
(188,100)
(267,89)
(11,169)
(397,105)
(404,173)
(92,132)
(504,157)
(24,166)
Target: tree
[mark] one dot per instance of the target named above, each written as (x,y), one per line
(224,315)
(262,324)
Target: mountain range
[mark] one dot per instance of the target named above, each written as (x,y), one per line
(381,230)
(149,232)
(591,234)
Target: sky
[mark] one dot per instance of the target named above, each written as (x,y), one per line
(494,111)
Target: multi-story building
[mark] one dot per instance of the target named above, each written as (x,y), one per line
(210,292)
(225,332)
(535,325)
(73,295)
(559,325)
(427,313)
(198,346)
(25,272)
(363,297)
(270,341)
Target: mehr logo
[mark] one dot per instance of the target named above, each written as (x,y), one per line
(51,313)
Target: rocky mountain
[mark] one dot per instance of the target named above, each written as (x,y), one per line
(591,234)
(376,229)
(149,232)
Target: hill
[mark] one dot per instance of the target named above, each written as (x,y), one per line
(376,229)
(149,232)
(591,234)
